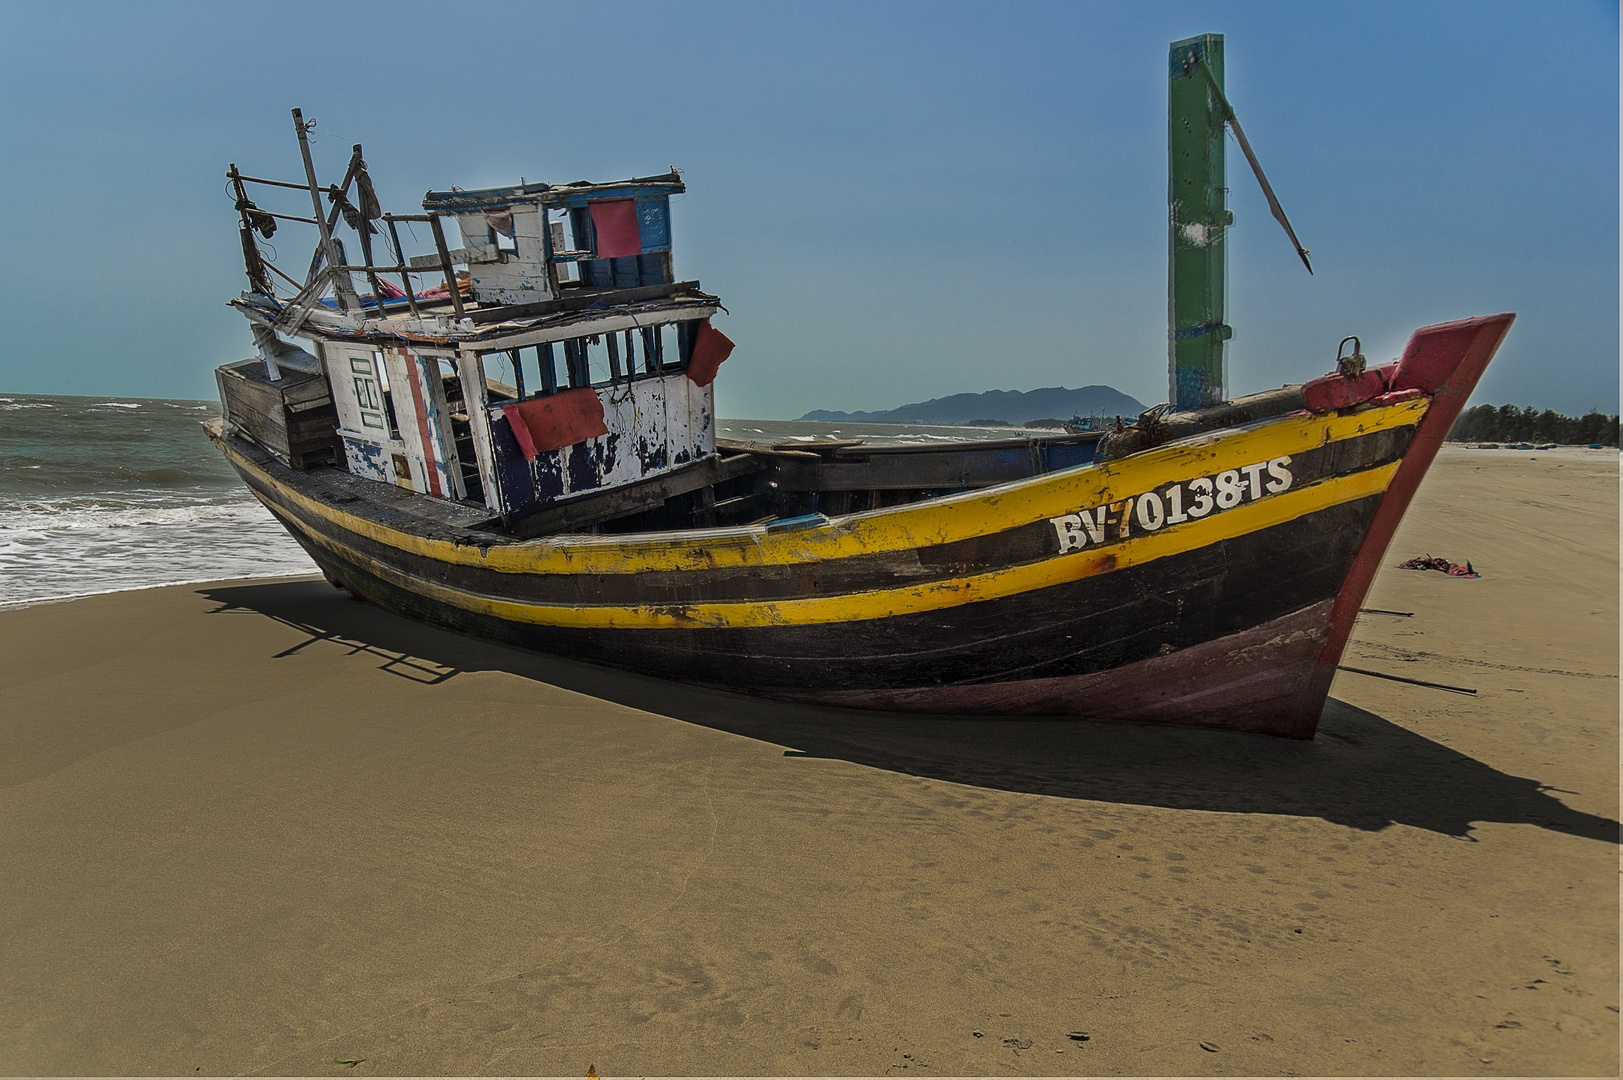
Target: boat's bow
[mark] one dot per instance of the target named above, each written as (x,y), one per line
(1444,362)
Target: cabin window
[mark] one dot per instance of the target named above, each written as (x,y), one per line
(557,234)
(498,372)
(598,360)
(662,349)
(524,373)
(504,244)
(576,364)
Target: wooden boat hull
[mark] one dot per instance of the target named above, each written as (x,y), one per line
(1209,582)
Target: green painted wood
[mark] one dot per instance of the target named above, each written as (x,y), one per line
(1197,221)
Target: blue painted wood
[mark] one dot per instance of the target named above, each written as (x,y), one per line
(1070,455)
(654,222)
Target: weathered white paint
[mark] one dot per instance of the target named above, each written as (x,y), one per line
(678,437)
(476,399)
(476,237)
(369,458)
(702,417)
(459,257)
(501,277)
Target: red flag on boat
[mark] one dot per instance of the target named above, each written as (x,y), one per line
(710,348)
(542,424)
(616,223)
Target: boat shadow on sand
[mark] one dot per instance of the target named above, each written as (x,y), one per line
(1362,771)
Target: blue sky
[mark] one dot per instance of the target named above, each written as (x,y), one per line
(895,201)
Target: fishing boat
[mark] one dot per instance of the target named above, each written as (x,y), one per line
(1202,566)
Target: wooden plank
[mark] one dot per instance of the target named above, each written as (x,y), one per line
(732,466)
(432,262)
(451,286)
(727,506)
(578,300)
(273,183)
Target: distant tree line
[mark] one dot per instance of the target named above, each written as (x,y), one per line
(1507,423)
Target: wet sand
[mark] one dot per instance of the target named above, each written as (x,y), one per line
(253,827)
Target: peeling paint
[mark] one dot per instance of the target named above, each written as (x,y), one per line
(655,425)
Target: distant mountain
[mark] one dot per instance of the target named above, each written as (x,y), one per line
(1011,406)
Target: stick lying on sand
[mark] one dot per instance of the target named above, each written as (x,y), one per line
(1400,678)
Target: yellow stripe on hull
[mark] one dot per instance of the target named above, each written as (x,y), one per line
(904,600)
(939,521)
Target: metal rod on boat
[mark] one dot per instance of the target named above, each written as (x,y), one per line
(1256,169)
(273,183)
(340,291)
(289,217)
(291,281)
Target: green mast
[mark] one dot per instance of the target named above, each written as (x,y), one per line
(1197,256)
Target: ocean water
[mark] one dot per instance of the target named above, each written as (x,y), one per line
(101,494)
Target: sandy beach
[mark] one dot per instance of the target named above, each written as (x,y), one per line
(252,827)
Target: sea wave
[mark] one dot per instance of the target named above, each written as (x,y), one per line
(104,495)
(62,551)
(126,512)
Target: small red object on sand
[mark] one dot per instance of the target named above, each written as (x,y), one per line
(1451,569)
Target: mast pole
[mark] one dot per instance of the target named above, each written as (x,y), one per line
(1197,221)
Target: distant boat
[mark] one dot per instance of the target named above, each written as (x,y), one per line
(1202,566)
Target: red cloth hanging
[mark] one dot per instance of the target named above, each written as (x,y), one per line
(543,424)
(616,223)
(710,348)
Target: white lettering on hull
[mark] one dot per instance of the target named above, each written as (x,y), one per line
(1173,504)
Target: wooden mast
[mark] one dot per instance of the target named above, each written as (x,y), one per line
(343,289)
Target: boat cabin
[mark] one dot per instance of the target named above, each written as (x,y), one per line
(558,357)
